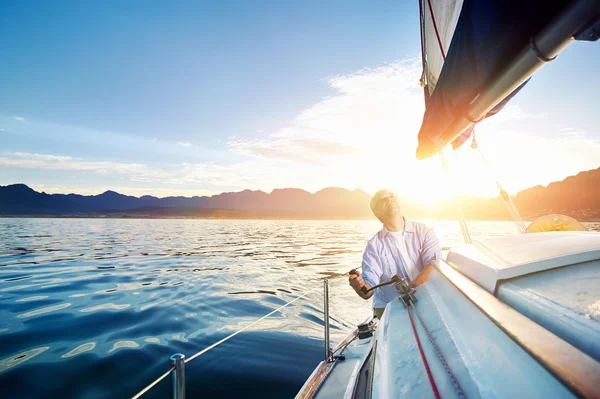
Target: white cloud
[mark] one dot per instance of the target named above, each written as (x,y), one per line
(370,108)
(239,175)
(364,135)
(19,118)
(309,150)
(41,157)
(127,190)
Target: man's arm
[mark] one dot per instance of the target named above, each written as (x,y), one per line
(371,273)
(431,251)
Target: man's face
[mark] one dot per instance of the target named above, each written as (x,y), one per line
(387,206)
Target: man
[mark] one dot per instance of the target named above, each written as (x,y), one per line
(402,247)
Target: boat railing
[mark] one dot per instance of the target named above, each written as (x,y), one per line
(178,360)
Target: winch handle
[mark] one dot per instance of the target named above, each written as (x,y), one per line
(364,290)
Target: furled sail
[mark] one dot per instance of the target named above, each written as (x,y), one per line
(438,22)
(477,54)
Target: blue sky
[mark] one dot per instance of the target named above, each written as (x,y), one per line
(199,98)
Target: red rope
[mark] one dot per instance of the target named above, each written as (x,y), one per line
(422,27)
(423,60)
(433,386)
(436,30)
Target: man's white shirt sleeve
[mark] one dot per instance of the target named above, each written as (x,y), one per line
(371,266)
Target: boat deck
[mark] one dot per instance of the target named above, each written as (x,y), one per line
(514,316)
(480,356)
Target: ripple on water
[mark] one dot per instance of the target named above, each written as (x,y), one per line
(89,346)
(105,306)
(170,293)
(124,344)
(149,305)
(47,309)
(32,298)
(21,358)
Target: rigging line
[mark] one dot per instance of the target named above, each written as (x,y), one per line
(475,144)
(466,233)
(461,216)
(437,34)
(429,375)
(423,81)
(421,29)
(347,273)
(159,379)
(512,209)
(341,350)
(203,351)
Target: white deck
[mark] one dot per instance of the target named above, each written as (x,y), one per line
(489,261)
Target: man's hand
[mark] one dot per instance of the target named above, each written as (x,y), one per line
(356,281)
(423,277)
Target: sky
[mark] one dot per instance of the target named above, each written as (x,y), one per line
(198,98)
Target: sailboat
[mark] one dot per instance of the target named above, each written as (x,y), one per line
(514,316)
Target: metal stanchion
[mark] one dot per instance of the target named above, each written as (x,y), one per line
(177,360)
(326,317)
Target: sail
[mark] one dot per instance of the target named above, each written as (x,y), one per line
(438,22)
(469,45)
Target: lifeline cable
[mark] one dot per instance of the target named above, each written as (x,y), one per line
(203,351)
(143,391)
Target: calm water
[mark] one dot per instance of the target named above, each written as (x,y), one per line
(94,308)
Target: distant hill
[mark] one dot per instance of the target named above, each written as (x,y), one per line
(339,203)
(577,196)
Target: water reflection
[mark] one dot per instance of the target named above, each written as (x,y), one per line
(32,298)
(21,358)
(124,344)
(41,311)
(147,288)
(105,306)
(88,346)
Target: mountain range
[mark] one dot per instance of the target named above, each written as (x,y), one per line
(576,196)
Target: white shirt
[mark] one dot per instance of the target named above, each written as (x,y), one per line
(410,267)
(382,259)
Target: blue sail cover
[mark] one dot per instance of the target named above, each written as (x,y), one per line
(488,35)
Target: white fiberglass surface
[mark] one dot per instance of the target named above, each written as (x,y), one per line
(489,261)
(565,301)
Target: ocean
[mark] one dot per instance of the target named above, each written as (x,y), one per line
(94,308)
